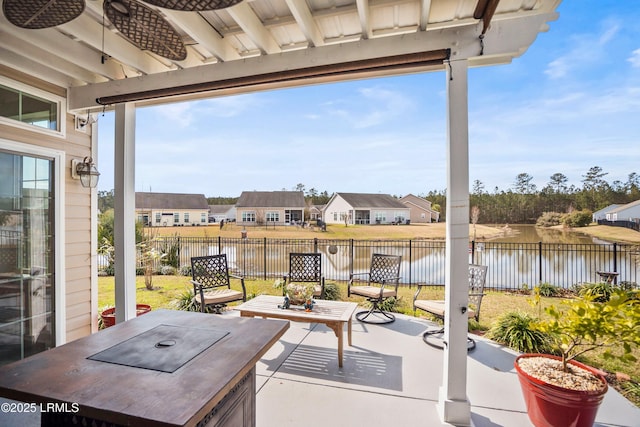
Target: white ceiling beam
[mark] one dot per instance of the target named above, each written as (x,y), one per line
(200,30)
(425,10)
(303,17)
(90,32)
(252,26)
(49,59)
(21,63)
(58,44)
(365,18)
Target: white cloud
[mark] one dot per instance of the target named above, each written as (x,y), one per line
(586,49)
(634,59)
(179,113)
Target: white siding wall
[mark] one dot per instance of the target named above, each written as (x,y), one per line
(81,307)
(334,209)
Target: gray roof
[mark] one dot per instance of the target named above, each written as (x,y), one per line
(220,209)
(171,201)
(363,200)
(271,199)
(417,201)
(622,208)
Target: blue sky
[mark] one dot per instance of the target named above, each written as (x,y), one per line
(571,102)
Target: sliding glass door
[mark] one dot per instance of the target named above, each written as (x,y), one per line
(27,248)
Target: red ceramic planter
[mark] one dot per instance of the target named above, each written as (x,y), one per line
(552,406)
(109,315)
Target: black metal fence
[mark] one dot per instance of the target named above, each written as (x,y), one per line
(634,225)
(510,265)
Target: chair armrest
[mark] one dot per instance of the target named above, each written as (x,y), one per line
(244,290)
(350,282)
(415,296)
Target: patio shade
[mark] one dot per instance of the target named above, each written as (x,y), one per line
(431,58)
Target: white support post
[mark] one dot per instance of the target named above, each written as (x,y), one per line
(124,212)
(454,406)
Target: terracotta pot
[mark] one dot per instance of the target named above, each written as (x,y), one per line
(552,406)
(109,315)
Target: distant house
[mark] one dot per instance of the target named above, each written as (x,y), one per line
(270,207)
(602,213)
(628,212)
(218,213)
(361,208)
(315,212)
(421,211)
(171,209)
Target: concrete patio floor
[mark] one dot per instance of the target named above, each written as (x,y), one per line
(390,377)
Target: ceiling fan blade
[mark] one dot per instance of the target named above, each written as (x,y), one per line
(193,5)
(145,28)
(37,14)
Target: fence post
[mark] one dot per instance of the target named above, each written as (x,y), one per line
(410,261)
(352,256)
(473,252)
(219,245)
(615,260)
(539,262)
(264,252)
(315,244)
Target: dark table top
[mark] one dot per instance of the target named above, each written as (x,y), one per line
(132,395)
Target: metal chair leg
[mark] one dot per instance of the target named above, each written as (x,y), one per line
(435,338)
(376,313)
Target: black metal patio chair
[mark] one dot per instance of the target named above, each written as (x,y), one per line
(382,282)
(477,279)
(306,268)
(212,283)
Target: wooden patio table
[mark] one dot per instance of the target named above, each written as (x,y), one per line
(212,385)
(334,314)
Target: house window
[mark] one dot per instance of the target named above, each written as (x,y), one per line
(186,217)
(248,216)
(335,216)
(380,216)
(176,218)
(30,108)
(158,217)
(203,217)
(27,253)
(273,216)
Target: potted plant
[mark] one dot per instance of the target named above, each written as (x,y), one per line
(557,389)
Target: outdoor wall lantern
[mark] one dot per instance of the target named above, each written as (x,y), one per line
(85,171)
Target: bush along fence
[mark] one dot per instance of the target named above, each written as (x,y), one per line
(511,266)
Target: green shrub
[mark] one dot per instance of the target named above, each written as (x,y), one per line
(548,290)
(599,292)
(168,270)
(549,219)
(185,270)
(578,218)
(332,292)
(514,329)
(185,302)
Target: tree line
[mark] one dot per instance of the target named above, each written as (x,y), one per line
(524,203)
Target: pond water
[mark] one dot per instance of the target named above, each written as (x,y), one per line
(533,234)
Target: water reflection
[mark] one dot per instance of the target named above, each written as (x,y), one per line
(533,234)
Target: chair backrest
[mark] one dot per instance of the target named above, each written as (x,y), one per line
(477,279)
(385,268)
(305,267)
(210,271)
